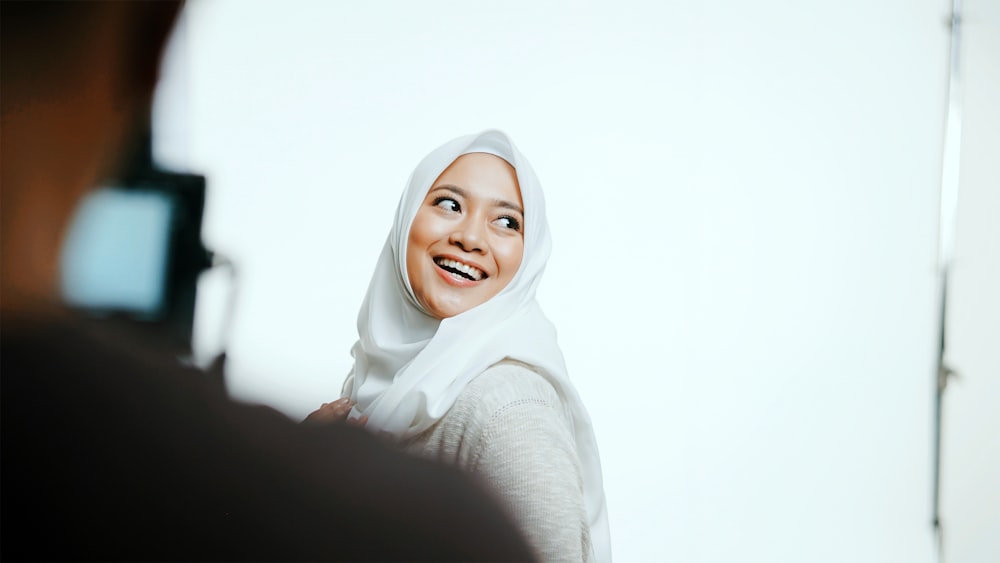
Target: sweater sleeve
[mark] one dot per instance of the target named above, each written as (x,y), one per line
(526,452)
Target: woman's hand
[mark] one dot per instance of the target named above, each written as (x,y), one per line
(335,412)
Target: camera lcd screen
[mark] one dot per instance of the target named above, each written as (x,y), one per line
(117,251)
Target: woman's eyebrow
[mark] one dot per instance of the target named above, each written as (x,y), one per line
(508,205)
(453,189)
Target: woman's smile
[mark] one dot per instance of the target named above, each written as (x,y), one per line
(458,272)
(467,238)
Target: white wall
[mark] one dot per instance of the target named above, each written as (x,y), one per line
(743,198)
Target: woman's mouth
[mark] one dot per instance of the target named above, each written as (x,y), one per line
(462,269)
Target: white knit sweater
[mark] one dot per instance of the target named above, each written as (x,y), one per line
(509,428)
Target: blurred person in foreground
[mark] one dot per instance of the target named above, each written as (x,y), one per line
(111,450)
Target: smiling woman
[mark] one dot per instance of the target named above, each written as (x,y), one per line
(457,362)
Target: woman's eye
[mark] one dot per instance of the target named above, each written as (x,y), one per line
(447,204)
(509,223)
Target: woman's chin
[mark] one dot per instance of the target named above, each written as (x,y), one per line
(445,309)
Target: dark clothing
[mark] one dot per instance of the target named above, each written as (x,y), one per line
(112,453)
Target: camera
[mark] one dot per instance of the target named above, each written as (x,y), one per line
(134,251)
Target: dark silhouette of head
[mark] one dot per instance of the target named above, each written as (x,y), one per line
(77,84)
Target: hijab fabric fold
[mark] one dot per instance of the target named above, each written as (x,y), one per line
(409,367)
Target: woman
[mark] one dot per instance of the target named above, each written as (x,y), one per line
(455,359)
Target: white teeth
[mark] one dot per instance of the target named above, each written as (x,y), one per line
(476,273)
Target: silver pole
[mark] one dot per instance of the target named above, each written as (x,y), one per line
(946,250)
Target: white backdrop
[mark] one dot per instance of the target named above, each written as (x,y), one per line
(743,199)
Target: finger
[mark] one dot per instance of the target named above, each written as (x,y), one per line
(341,408)
(327,412)
(316,416)
(337,405)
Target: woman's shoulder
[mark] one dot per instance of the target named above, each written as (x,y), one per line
(504,391)
(505,385)
(497,406)
(500,406)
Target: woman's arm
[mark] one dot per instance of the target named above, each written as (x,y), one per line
(525,451)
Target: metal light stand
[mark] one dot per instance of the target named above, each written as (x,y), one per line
(946,250)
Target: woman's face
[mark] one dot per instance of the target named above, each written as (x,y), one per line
(467,238)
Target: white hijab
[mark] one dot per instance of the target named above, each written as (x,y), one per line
(409,367)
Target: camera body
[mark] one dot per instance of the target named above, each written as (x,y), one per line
(134,251)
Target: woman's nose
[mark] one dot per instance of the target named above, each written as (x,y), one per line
(469,237)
